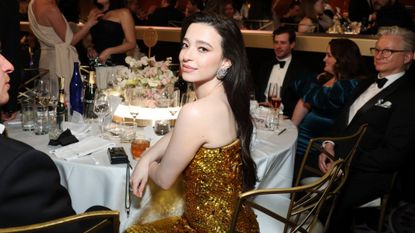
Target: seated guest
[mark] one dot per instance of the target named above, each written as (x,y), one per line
(30,188)
(361,11)
(385,104)
(323,97)
(284,69)
(291,15)
(194,6)
(313,17)
(216,129)
(391,13)
(29,182)
(114,34)
(167,12)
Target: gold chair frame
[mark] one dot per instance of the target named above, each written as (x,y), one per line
(106,217)
(316,143)
(303,212)
(23,89)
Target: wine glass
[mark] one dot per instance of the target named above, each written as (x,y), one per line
(174,102)
(41,91)
(274,101)
(101,107)
(134,97)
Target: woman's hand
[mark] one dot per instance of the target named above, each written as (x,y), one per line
(91,53)
(103,57)
(140,177)
(93,17)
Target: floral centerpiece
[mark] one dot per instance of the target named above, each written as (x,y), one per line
(155,77)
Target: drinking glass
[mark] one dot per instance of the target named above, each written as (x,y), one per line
(41,91)
(174,102)
(134,96)
(101,107)
(274,101)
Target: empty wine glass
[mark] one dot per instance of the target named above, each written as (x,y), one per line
(41,91)
(101,107)
(174,103)
(134,97)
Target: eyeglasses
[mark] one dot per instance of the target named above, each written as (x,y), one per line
(385,52)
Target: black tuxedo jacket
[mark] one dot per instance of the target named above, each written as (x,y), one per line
(30,190)
(359,10)
(296,70)
(390,136)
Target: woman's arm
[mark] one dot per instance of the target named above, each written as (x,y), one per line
(93,16)
(55,19)
(167,159)
(129,43)
(300,111)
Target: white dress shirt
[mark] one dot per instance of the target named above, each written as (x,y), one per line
(2,128)
(278,74)
(370,92)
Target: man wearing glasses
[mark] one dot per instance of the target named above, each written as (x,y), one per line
(386,105)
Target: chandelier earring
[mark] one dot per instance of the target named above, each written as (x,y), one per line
(221,73)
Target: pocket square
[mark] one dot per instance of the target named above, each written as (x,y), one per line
(383,104)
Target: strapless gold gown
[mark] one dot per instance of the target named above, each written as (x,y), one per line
(212,183)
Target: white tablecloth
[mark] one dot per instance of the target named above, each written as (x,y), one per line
(92,180)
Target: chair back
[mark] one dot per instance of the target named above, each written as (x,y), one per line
(29,76)
(303,212)
(100,218)
(349,146)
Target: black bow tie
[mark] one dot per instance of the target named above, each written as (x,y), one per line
(381,82)
(281,63)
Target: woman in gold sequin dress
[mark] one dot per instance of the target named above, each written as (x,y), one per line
(210,144)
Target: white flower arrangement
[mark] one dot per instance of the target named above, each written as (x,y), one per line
(155,77)
(146,72)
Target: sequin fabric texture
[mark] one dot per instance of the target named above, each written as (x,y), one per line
(212,183)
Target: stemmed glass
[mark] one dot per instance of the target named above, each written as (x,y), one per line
(42,92)
(274,101)
(101,107)
(174,102)
(134,97)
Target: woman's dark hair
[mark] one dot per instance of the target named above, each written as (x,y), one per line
(200,4)
(114,4)
(307,10)
(349,61)
(236,82)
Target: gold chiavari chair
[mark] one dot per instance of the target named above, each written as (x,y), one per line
(105,218)
(350,146)
(25,87)
(303,211)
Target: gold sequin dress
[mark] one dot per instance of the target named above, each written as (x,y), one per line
(212,183)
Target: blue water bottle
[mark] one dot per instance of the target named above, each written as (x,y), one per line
(75,90)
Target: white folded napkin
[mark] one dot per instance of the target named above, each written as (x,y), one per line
(82,148)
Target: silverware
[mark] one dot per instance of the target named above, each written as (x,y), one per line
(282,131)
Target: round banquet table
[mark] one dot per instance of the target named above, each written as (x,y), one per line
(92,180)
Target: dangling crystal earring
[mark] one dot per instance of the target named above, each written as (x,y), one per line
(221,73)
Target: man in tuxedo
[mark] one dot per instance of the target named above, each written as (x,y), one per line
(29,180)
(9,44)
(284,69)
(386,105)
